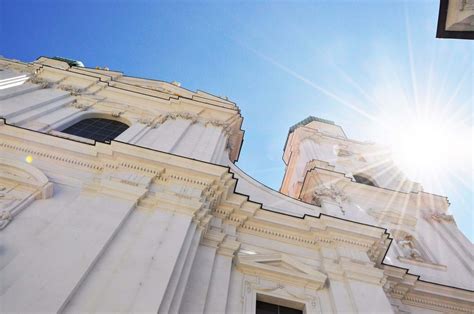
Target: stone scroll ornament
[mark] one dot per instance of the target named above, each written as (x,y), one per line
(11,200)
(20,185)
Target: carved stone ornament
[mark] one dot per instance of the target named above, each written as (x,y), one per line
(5,215)
(344,153)
(73,90)
(145,120)
(183,115)
(194,119)
(333,192)
(217,123)
(117,114)
(7,199)
(40,81)
(408,248)
(316,200)
(80,106)
(438,217)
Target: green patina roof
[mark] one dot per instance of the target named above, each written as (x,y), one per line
(70,62)
(309,120)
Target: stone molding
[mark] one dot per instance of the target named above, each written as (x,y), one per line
(328,235)
(344,268)
(410,290)
(268,266)
(223,243)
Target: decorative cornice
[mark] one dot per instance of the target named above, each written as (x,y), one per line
(48,154)
(436,304)
(410,290)
(95,165)
(211,192)
(223,243)
(228,247)
(308,238)
(281,234)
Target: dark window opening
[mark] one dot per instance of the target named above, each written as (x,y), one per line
(363,180)
(268,308)
(101,130)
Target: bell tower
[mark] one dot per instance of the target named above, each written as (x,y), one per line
(323,163)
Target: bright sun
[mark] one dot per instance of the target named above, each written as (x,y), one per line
(422,145)
(428,146)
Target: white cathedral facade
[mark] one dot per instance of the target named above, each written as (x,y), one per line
(120,194)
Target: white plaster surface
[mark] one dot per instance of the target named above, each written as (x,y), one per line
(130,229)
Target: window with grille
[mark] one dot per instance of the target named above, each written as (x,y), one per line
(269,308)
(99,129)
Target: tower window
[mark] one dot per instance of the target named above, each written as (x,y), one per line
(269,308)
(101,130)
(361,179)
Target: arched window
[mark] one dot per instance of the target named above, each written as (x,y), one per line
(99,129)
(361,179)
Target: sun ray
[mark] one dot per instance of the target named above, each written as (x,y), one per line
(354,84)
(458,87)
(429,83)
(445,78)
(307,81)
(411,58)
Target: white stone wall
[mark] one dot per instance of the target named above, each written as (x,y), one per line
(131,226)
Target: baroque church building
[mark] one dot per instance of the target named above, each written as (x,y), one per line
(120,194)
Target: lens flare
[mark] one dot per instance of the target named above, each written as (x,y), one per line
(428,147)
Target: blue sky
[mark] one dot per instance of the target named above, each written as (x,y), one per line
(347,61)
